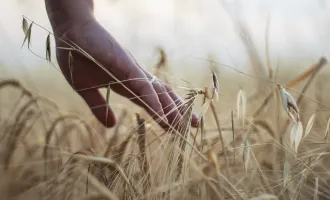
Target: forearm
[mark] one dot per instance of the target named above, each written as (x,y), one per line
(64,14)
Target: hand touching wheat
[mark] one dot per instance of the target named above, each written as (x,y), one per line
(73,21)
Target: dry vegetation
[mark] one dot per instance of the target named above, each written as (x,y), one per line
(271,142)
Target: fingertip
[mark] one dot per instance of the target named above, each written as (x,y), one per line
(106,117)
(111,120)
(99,107)
(194,120)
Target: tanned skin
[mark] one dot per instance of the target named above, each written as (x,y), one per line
(73,21)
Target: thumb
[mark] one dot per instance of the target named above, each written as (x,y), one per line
(97,104)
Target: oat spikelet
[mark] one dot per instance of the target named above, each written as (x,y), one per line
(215,89)
(48,49)
(289,104)
(246,154)
(28,36)
(296,135)
(25,26)
(309,125)
(241,105)
(162,62)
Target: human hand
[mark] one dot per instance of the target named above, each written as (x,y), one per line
(86,77)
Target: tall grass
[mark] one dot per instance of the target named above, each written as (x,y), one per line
(255,151)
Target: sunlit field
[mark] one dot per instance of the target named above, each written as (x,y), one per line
(263,130)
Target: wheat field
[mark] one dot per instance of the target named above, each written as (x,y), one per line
(261,135)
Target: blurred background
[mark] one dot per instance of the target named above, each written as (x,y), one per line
(184,28)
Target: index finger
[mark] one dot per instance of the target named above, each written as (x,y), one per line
(142,89)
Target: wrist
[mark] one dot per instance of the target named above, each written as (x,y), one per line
(64,14)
